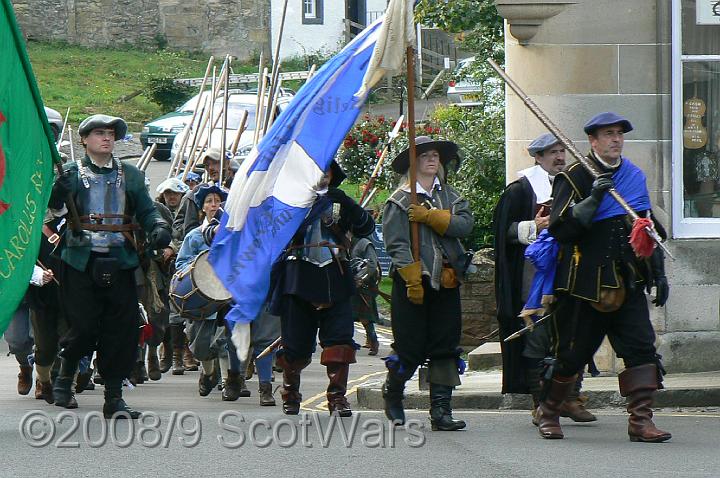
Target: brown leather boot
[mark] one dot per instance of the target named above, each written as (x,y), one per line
(266,395)
(24,383)
(189,362)
(548,413)
(44,391)
(337,360)
(290,392)
(178,368)
(153,364)
(574,405)
(639,385)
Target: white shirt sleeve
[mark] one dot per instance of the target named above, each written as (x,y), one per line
(527,232)
(36,278)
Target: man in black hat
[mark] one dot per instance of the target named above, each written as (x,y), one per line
(314,287)
(521,214)
(98,276)
(600,280)
(426,315)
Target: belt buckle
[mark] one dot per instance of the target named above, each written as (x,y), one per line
(53,239)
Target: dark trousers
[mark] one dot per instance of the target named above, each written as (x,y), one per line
(581,329)
(300,323)
(427,331)
(48,326)
(105,319)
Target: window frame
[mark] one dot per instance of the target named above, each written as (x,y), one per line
(318,19)
(691,227)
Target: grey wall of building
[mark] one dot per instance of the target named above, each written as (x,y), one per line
(600,55)
(238,27)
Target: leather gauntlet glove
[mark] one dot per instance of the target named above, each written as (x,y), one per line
(585,209)
(412,275)
(437,219)
(657,266)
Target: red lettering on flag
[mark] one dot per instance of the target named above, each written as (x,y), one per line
(3,205)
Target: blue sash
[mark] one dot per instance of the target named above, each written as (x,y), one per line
(630,183)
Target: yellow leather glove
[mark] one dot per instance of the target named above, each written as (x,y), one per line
(438,219)
(412,275)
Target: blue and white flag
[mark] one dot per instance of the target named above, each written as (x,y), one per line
(277,184)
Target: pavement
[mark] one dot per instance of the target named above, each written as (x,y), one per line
(481,390)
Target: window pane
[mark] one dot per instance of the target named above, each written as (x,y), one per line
(700,30)
(309,8)
(701,138)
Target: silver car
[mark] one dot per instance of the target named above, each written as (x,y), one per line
(462,89)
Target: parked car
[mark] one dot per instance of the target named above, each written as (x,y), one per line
(237,103)
(163,130)
(462,89)
(56,121)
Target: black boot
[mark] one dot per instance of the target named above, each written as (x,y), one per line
(62,389)
(392,393)
(440,411)
(115,406)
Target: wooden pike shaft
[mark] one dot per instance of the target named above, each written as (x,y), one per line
(273,105)
(570,146)
(223,131)
(62,131)
(260,112)
(414,226)
(181,149)
(269,348)
(240,131)
(376,171)
(203,143)
(276,65)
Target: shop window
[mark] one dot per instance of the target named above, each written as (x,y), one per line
(696,100)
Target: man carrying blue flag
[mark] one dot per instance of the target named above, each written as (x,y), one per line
(314,287)
(600,281)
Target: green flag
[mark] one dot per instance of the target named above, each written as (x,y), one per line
(27,152)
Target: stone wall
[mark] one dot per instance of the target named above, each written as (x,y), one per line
(478,300)
(238,27)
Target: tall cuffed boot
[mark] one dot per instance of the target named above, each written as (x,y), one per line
(548,412)
(574,405)
(115,406)
(441,418)
(639,385)
(443,376)
(533,377)
(394,387)
(178,344)
(153,363)
(63,387)
(290,393)
(166,358)
(189,361)
(24,383)
(337,360)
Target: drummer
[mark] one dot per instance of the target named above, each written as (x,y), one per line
(207,339)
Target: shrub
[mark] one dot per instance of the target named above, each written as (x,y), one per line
(168,94)
(363,147)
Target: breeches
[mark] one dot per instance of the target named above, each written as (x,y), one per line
(580,330)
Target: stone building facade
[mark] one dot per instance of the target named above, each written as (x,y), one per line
(238,27)
(657,63)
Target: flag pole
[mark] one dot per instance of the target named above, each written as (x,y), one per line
(414,226)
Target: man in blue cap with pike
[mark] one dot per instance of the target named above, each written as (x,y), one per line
(600,280)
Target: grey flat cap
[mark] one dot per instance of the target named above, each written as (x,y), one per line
(103,121)
(173,185)
(541,143)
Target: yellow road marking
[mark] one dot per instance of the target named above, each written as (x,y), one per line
(307,404)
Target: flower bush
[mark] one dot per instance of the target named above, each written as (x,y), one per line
(364,144)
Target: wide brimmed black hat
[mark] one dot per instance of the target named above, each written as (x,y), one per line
(449,153)
(338,175)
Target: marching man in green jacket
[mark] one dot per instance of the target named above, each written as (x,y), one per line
(99,259)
